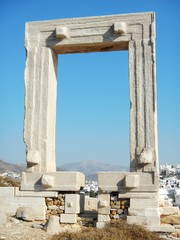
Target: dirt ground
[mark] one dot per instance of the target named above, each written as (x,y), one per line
(21,230)
(16,229)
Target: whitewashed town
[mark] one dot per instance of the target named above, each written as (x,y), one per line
(169,187)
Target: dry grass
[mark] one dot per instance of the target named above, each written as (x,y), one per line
(118,230)
(9,182)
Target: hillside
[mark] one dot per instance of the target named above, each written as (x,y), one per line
(89,168)
(9,167)
(92,167)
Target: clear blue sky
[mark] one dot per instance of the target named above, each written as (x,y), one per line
(93,103)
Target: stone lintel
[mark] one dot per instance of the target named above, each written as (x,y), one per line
(90,34)
(63,181)
(116,181)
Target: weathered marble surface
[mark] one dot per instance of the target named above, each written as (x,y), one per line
(45,39)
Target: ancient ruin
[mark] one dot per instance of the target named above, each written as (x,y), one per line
(137,190)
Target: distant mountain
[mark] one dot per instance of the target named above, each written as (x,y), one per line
(93,167)
(89,168)
(9,167)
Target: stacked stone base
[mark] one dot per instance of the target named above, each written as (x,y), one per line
(127,200)
(131,196)
(42,205)
(44,195)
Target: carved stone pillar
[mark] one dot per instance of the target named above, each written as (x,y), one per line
(40,109)
(143,123)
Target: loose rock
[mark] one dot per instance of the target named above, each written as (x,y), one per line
(25,213)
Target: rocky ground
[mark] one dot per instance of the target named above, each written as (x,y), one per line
(17,230)
(172,236)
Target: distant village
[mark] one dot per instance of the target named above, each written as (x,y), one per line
(169,184)
(11,175)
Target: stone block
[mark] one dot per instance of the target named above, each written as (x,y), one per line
(47,181)
(137,220)
(90,204)
(115,181)
(6,191)
(103,218)
(153,216)
(153,221)
(165,202)
(53,207)
(3,218)
(68,218)
(152,212)
(120,27)
(62,32)
(161,202)
(144,203)
(9,205)
(53,225)
(104,203)
(26,214)
(146,156)
(33,157)
(171,219)
(72,203)
(161,228)
(132,181)
(100,224)
(138,195)
(37,194)
(177,199)
(169,211)
(63,181)
(136,212)
(146,212)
